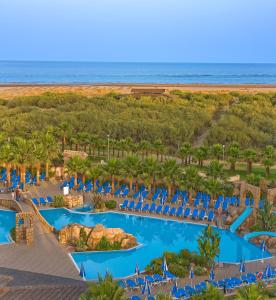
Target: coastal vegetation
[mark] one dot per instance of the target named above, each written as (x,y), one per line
(179,263)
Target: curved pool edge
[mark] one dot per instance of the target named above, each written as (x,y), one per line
(10,240)
(253,234)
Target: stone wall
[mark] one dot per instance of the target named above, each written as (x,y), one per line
(24,229)
(11,204)
(95,234)
(73,200)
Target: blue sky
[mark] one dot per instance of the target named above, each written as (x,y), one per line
(138,30)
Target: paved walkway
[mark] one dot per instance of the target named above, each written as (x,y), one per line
(44,256)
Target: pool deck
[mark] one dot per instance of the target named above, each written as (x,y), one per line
(45,271)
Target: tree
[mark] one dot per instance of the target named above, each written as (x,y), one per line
(265,217)
(215,169)
(214,187)
(201,154)
(217,151)
(169,171)
(268,159)
(51,149)
(190,180)
(184,152)
(250,156)
(105,289)
(233,155)
(150,169)
(158,147)
(208,244)
(7,157)
(144,146)
(75,166)
(210,293)
(112,169)
(251,292)
(131,168)
(95,173)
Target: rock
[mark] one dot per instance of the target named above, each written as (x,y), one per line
(95,234)
(228,220)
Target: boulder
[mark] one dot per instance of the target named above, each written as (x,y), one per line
(95,234)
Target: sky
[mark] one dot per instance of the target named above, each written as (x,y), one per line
(138,30)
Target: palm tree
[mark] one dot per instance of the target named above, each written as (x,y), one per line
(268,159)
(23,155)
(201,154)
(158,147)
(112,169)
(184,152)
(217,151)
(169,171)
(75,166)
(149,171)
(39,157)
(7,157)
(215,169)
(51,149)
(208,244)
(131,169)
(214,187)
(190,180)
(233,155)
(105,289)
(265,217)
(144,147)
(250,156)
(251,292)
(210,293)
(64,132)
(95,173)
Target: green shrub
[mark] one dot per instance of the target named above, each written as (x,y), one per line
(58,201)
(13,234)
(200,270)
(178,270)
(105,245)
(111,204)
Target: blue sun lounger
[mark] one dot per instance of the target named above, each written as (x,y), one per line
(201,214)
(195,214)
(50,199)
(138,206)
(174,198)
(124,204)
(145,208)
(135,297)
(140,281)
(187,212)
(42,201)
(149,279)
(130,283)
(158,278)
(35,201)
(152,208)
(166,210)
(131,205)
(169,275)
(179,212)
(172,211)
(210,216)
(159,209)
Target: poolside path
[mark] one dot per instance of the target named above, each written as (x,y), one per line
(45,265)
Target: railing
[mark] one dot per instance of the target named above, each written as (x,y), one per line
(11,204)
(46,225)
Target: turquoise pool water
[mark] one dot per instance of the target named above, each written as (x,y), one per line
(7,222)
(154,235)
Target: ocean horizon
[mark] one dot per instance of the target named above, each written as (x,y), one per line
(65,72)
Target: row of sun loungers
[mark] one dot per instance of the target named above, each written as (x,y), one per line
(179,212)
(188,291)
(42,201)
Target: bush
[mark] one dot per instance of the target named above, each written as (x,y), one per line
(13,234)
(178,270)
(105,245)
(200,270)
(58,201)
(111,204)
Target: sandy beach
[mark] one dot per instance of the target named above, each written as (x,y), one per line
(8,91)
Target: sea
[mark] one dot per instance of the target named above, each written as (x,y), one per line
(30,72)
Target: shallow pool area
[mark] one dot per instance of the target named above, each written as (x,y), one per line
(7,222)
(154,236)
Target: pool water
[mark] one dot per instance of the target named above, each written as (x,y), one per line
(84,208)
(7,222)
(155,236)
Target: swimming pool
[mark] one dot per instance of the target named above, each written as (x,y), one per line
(7,222)
(154,236)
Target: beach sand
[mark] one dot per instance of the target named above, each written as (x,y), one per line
(8,91)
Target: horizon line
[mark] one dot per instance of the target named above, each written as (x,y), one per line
(128,62)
